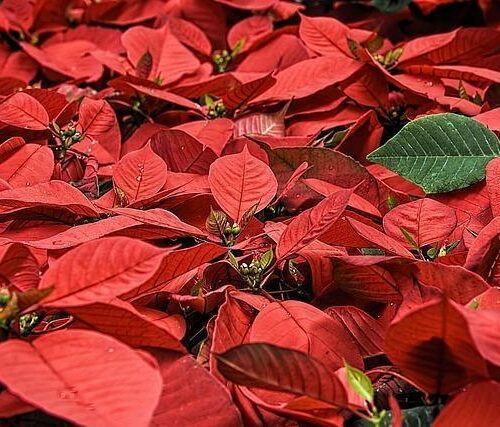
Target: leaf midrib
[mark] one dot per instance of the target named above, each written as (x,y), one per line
(105,279)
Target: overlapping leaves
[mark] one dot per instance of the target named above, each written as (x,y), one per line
(191,219)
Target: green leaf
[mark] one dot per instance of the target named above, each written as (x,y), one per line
(451,246)
(266,259)
(474,304)
(208,100)
(198,286)
(360,383)
(440,152)
(216,222)
(407,235)
(232,260)
(391,202)
(237,48)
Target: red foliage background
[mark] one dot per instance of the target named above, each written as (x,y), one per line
(190,232)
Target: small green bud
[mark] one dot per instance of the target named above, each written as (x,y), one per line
(4,297)
(432,253)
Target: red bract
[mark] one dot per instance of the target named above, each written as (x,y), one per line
(157,54)
(422,222)
(479,402)
(139,175)
(129,263)
(81,373)
(30,164)
(240,181)
(310,224)
(25,112)
(249,212)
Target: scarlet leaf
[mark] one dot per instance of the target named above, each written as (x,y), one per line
(364,277)
(99,124)
(241,95)
(486,300)
(355,201)
(482,257)
(171,60)
(249,29)
(449,47)
(426,220)
(150,224)
(272,124)
(8,147)
(438,333)
(11,405)
(214,405)
(135,134)
(18,267)
(129,263)
(293,180)
(161,218)
(182,152)
(54,199)
(280,52)
(330,166)
(140,174)
(120,320)
(456,282)
(302,327)
(212,133)
(276,368)
(165,95)
(96,117)
(174,265)
(232,328)
(493,185)
(24,111)
(379,239)
(31,164)
(238,181)
(57,57)
(308,77)
(324,35)
(309,225)
(367,332)
(369,89)
(318,254)
(490,119)
(84,372)
(478,403)
(191,35)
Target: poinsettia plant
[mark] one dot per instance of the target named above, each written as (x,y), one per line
(249,212)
